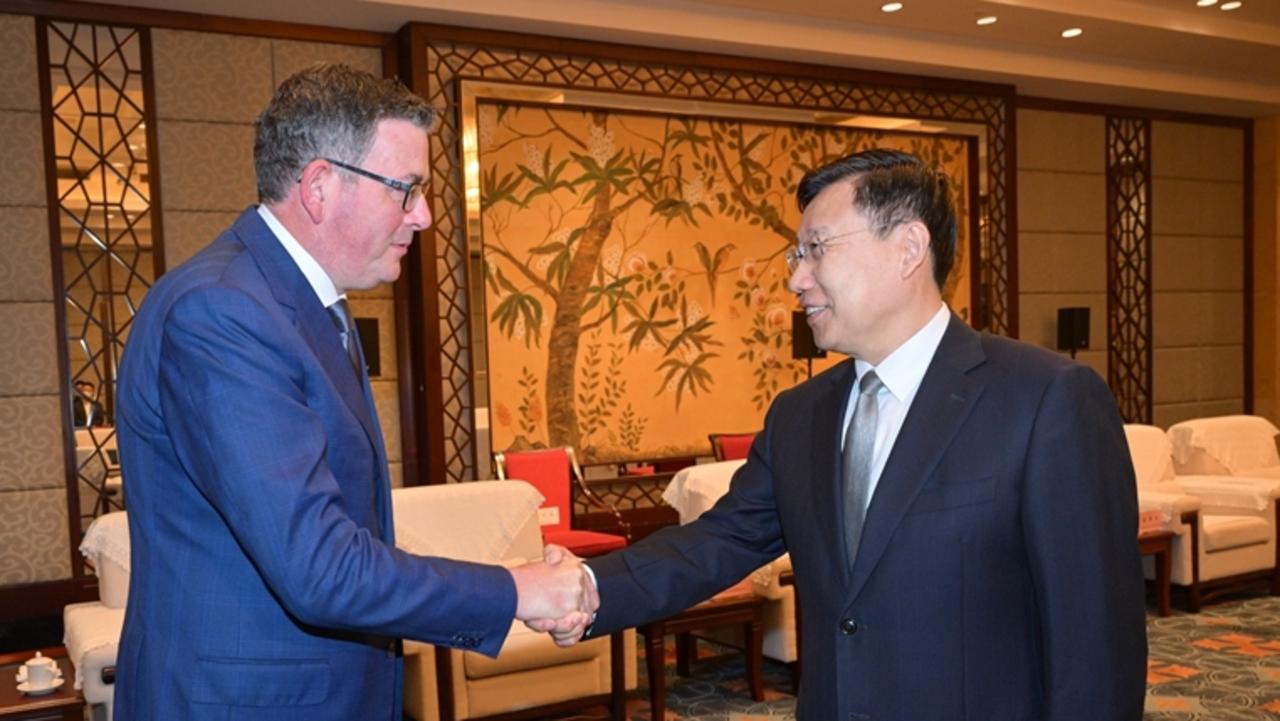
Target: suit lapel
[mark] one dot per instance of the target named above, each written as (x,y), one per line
(291,290)
(824,465)
(945,398)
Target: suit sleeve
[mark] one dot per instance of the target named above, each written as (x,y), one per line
(679,566)
(235,397)
(1080,520)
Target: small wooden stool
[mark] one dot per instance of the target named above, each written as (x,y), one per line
(737,604)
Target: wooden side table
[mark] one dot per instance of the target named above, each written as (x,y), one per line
(736,605)
(1158,544)
(65,704)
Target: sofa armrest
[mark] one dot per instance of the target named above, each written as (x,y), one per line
(1171,504)
(1231,494)
(764,580)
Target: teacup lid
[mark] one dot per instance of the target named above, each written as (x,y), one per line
(39,660)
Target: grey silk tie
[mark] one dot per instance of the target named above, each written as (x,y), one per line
(341,314)
(859,444)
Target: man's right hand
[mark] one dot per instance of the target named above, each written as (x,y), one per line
(556,595)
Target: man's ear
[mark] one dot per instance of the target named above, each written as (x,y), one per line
(317,176)
(915,248)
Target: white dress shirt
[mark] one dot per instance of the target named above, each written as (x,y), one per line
(320,281)
(900,372)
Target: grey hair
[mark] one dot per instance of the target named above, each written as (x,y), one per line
(326,110)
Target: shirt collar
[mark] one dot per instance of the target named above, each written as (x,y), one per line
(319,280)
(903,369)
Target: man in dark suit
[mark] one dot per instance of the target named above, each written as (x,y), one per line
(85,409)
(959,508)
(265,581)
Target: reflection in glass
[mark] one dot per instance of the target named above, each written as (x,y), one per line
(104,209)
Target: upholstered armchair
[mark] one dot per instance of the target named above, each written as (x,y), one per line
(497,522)
(1232,538)
(730,446)
(1226,445)
(692,492)
(91,631)
(556,474)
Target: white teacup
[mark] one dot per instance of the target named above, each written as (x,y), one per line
(41,671)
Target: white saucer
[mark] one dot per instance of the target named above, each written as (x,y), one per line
(26,688)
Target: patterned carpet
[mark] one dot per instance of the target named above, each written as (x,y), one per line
(1222,664)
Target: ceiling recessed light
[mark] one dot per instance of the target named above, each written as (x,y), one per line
(988,20)
(1206,3)
(1231,5)
(891,7)
(1072,33)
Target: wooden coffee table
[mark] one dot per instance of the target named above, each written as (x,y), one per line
(65,704)
(738,604)
(1157,544)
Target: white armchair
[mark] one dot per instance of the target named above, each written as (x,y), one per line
(497,522)
(1229,541)
(91,631)
(692,492)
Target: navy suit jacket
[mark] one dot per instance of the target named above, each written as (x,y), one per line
(265,583)
(998,576)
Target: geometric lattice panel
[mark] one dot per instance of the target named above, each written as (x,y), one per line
(108,257)
(1129,266)
(449,62)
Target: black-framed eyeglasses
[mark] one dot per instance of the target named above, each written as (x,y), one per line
(410,190)
(813,248)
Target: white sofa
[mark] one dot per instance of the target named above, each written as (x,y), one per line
(1232,538)
(1226,445)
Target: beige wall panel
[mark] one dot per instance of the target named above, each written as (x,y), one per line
(1196,207)
(33,536)
(385,312)
(382,290)
(1265,265)
(207,166)
(396,472)
(22,147)
(18,76)
(1190,319)
(1165,416)
(1058,202)
(289,56)
(1061,141)
(386,396)
(1221,373)
(1175,373)
(210,76)
(28,354)
(1181,262)
(25,272)
(1038,317)
(31,443)
(1062,263)
(186,232)
(1182,150)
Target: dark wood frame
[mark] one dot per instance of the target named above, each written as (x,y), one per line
(444,383)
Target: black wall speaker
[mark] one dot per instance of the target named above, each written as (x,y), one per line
(802,345)
(1073,329)
(369,343)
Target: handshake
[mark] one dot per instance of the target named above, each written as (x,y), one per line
(556,595)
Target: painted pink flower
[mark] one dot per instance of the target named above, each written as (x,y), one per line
(535,410)
(758,299)
(504,415)
(750,271)
(776,316)
(637,263)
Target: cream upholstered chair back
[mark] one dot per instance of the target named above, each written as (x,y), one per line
(1226,445)
(91,631)
(1152,454)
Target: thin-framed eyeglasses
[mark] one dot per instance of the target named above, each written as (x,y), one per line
(410,190)
(813,248)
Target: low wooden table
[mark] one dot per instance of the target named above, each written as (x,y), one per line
(736,605)
(65,704)
(1158,544)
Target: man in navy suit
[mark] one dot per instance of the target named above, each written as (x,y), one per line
(960,508)
(265,580)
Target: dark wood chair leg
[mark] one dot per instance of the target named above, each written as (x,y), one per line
(753,632)
(686,653)
(617,677)
(654,660)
